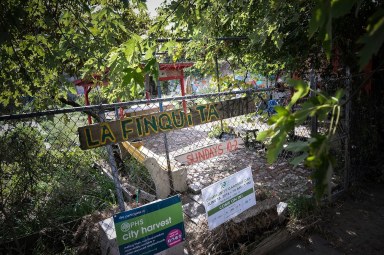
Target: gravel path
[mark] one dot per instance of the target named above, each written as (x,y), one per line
(279,179)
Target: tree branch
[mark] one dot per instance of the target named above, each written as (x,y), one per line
(74,104)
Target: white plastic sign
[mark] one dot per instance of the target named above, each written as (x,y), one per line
(229,197)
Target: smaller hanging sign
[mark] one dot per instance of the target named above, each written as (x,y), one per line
(151,228)
(228,197)
(170,74)
(210,151)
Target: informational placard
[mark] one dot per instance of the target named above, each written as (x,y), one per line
(170,73)
(151,228)
(125,129)
(229,197)
(210,151)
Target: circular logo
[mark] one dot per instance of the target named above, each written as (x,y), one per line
(174,237)
(125,227)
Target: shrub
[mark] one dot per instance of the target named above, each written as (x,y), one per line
(301,207)
(46,186)
(216,130)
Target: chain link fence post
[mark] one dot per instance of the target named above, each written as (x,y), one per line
(159,94)
(113,165)
(218,87)
(347,155)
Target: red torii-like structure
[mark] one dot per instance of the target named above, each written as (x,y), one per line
(88,85)
(174,71)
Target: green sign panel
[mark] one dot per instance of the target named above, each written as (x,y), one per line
(151,228)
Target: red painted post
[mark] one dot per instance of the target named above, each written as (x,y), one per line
(183,90)
(86,91)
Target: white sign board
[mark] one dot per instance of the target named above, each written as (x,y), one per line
(229,197)
(170,73)
(210,151)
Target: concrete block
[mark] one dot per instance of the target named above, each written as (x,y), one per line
(159,177)
(282,210)
(179,177)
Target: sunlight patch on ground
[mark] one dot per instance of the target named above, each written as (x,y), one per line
(351,233)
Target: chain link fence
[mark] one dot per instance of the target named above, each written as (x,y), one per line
(57,198)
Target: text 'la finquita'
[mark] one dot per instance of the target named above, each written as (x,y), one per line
(105,133)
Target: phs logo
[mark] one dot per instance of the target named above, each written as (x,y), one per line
(125,227)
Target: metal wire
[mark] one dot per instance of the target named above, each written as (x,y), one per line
(66,183)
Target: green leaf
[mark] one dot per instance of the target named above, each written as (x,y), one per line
(318,18)
(301,115)
(72,89)
(373,39)
(261,136)
(168,46)
(327,41)
(276,146)
(301,90)
(273,119)
(341,7)
(151,65)
(298,146)
(339,94)
(138,77)
(281,111)
(299,159)
(129,49)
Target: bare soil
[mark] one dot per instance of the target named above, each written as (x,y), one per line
(353,224)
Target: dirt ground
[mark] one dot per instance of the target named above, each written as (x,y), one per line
(353,224)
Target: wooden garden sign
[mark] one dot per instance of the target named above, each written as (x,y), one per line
(210,151)
(104,133)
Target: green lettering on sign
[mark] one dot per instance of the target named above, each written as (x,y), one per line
(229,202)
(139,128)
(180,119)
(201,109)
(106,133)
(164,118)
(91,143)
(212,113)
(125,127)
(152,123)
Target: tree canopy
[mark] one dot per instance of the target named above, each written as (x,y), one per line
(281,35)
(44,43)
